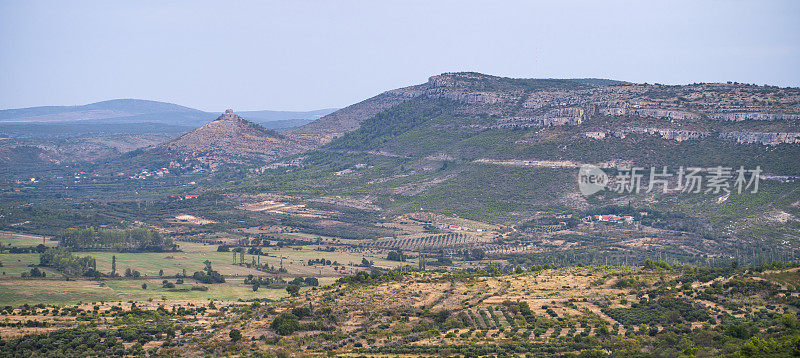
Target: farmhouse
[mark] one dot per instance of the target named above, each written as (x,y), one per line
(614,218)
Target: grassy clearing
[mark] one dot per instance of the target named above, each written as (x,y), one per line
(193,255)
(18,292)
(11,239)
(15,264)
(791,277)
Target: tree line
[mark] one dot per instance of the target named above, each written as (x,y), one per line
(136,239)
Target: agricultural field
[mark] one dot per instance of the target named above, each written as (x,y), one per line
(538,311)
(16,284)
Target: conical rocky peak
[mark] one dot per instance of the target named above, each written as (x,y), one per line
(232,139)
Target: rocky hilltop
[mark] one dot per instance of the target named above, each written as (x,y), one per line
(229,139)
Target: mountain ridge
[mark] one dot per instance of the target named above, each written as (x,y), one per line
(146,111)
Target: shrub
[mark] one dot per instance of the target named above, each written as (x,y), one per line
(235,335)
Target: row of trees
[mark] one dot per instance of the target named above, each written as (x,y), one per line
(136,239)
(277,282)
(324,262)
(427,242)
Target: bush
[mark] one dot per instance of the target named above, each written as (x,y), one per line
(285,324)
(293,290)
(235,335)
(395,256)
(208,275)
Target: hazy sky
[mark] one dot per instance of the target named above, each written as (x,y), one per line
(298,55)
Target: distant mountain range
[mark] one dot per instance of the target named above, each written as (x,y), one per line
(36,137)
(484,147)
(127,111)
(476,119)
(448,116)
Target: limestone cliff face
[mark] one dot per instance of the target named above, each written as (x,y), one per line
(647,113)
(485,98)
(762,138)
(480,94)
(665,133)
(736,117)
(557,117)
